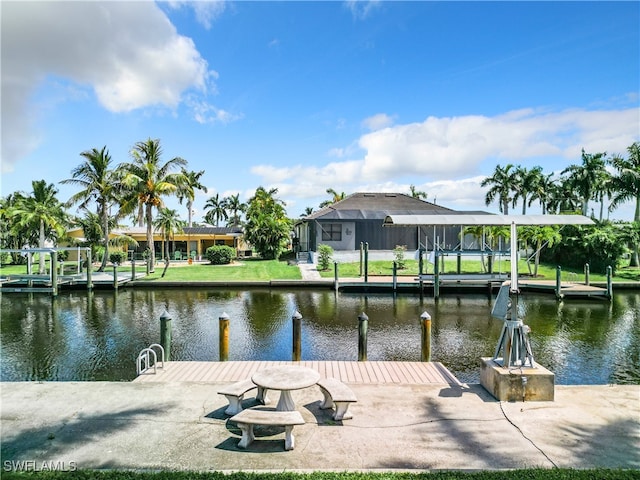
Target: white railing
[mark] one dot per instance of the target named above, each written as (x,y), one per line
(148,359)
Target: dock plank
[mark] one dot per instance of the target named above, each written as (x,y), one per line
(412,373)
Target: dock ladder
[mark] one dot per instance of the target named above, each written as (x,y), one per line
(148,359)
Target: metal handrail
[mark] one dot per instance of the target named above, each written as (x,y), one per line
(144,359)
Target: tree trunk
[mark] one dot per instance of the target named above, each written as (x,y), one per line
(189,206)
(150,244)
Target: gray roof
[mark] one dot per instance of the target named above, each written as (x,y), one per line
(376,206)
(212,230)
(485,219)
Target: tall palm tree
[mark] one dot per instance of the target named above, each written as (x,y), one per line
(216,209)
(626,180)
(43,211)
(148,181)
(625,186)
(540,190)
(587,179)
(267,227)
(187,191)
(99,184)
(335,197)
(235,207)
(307,211)
(417,193)
(526,183)
(502,183)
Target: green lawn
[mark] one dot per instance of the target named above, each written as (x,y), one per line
(253,269)
(545,271)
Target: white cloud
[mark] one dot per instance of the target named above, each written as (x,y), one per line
(206,11)
(449,157)
(377,122)
(360,9)
(129,53)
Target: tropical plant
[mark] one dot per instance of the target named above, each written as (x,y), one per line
(267,227)
(216,210)
(148,180)
(525,184)
(44,213)
(625,184)
(587,179)
(398,254)
(12,235)
(335,197)
(220,254)
(235,208)
(99,183)
(539,237)
(187,191)
(325,252)
(501,184)
(417,193)
(307,211)
(168,223)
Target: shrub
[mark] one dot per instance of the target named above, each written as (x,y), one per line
(398,253)
(324,256)
(118,257)
(220,254)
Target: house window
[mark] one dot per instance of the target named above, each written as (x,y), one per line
(332,232)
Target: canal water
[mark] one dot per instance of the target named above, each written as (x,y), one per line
(83,336)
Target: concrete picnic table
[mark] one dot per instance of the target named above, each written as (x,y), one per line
(285,378)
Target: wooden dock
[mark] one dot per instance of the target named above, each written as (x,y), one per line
(378,372)
(567,289)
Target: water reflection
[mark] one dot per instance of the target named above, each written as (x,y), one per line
(97,336)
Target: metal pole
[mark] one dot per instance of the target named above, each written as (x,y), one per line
(297,343)
(425,322)
(363,324)
(165,334)
(558,281)
(436,275)
(361,256)
(223,325)
(609,282)
(133,267)
(336,281)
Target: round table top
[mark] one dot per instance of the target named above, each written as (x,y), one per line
(285,377)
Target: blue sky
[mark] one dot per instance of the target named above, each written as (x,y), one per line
(305,96)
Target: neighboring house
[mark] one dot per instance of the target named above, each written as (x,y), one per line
(358,218)
(194,240)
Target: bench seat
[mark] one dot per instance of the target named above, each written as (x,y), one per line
(235,394)
(337,393)
(249,417)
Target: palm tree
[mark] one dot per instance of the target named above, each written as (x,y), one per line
(187,191)
(539,236)
(148,180)
(99,184)
(307,211)
(540,190)
(169,223)
(526,182)
(625,186)
(562,198)
(43,211)
(502,184)
(417,193)
(216,210)
(336,197)
(587,179)
(626,181)
(235,207)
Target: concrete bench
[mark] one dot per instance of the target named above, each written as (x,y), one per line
(337,393)
(235,394)
(246,419)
